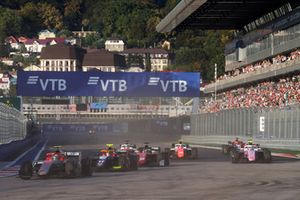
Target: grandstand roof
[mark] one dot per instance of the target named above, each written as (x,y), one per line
(218,14)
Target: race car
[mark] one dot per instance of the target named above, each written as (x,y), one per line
(57,164)
(127,146)
(227,148)
(250,153)
(152,157)
(110,159)
(182,151)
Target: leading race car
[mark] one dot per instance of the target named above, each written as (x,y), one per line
(182,151)
(152,157)
(110,159)
(250,153)
(57,164)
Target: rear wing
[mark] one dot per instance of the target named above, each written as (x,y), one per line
(72,154)
(155,149)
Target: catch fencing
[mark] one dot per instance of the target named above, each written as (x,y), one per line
(276,128)
(12,124)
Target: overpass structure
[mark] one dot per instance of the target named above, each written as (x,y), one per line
(264,51)
(218,14)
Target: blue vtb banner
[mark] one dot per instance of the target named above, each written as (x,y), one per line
(143,84)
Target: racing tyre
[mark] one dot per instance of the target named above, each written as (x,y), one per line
(166,158)
(235,157)
(26,170)
(133,162)
(267,156)
(124,162)
(69,168)
(86,167)
(167,150)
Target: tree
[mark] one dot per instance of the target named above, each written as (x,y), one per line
(64,33)
(93,41)
(51,16)
(32,22)
(10,24)
(72,15)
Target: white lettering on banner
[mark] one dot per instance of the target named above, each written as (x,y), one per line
(62,86)
(59,84)
(122,86)
(119,85)
(182,85)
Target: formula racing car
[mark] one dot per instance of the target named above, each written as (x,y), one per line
(110,159)
(182,151)
(250,153)
(227,148)
(152,157)
(57,164)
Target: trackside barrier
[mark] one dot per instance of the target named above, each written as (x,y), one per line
(10,151)
(12,124)
(272,127)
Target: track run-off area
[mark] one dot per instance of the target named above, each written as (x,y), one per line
(211,176)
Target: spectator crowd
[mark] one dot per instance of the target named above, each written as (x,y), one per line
(276,93)
(262,64)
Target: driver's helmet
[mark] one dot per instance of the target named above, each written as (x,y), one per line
(250,142)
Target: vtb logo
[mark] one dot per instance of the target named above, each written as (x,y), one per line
(174,85)
(120,85)
(48,84)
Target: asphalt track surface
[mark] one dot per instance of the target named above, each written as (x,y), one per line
(211,176)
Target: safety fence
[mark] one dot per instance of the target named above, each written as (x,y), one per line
(12,124)
(115,131)
(272,127)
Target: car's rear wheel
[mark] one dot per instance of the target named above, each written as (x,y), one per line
(124,162)
(86,167)
(166,157)
(26,170)
(235,157)
(133,162)
(267,156)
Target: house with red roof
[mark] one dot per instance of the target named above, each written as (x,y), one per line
(4,82)
(13,42)
(36,45)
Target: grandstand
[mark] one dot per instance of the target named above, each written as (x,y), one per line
(259,94)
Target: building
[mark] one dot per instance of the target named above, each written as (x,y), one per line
(114,44)
(13,42)
(83,34)
(36,45)
(7,61)
(46,34)
(33,68)
(159,58)
(61,57)
(4,82)
(103,60)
